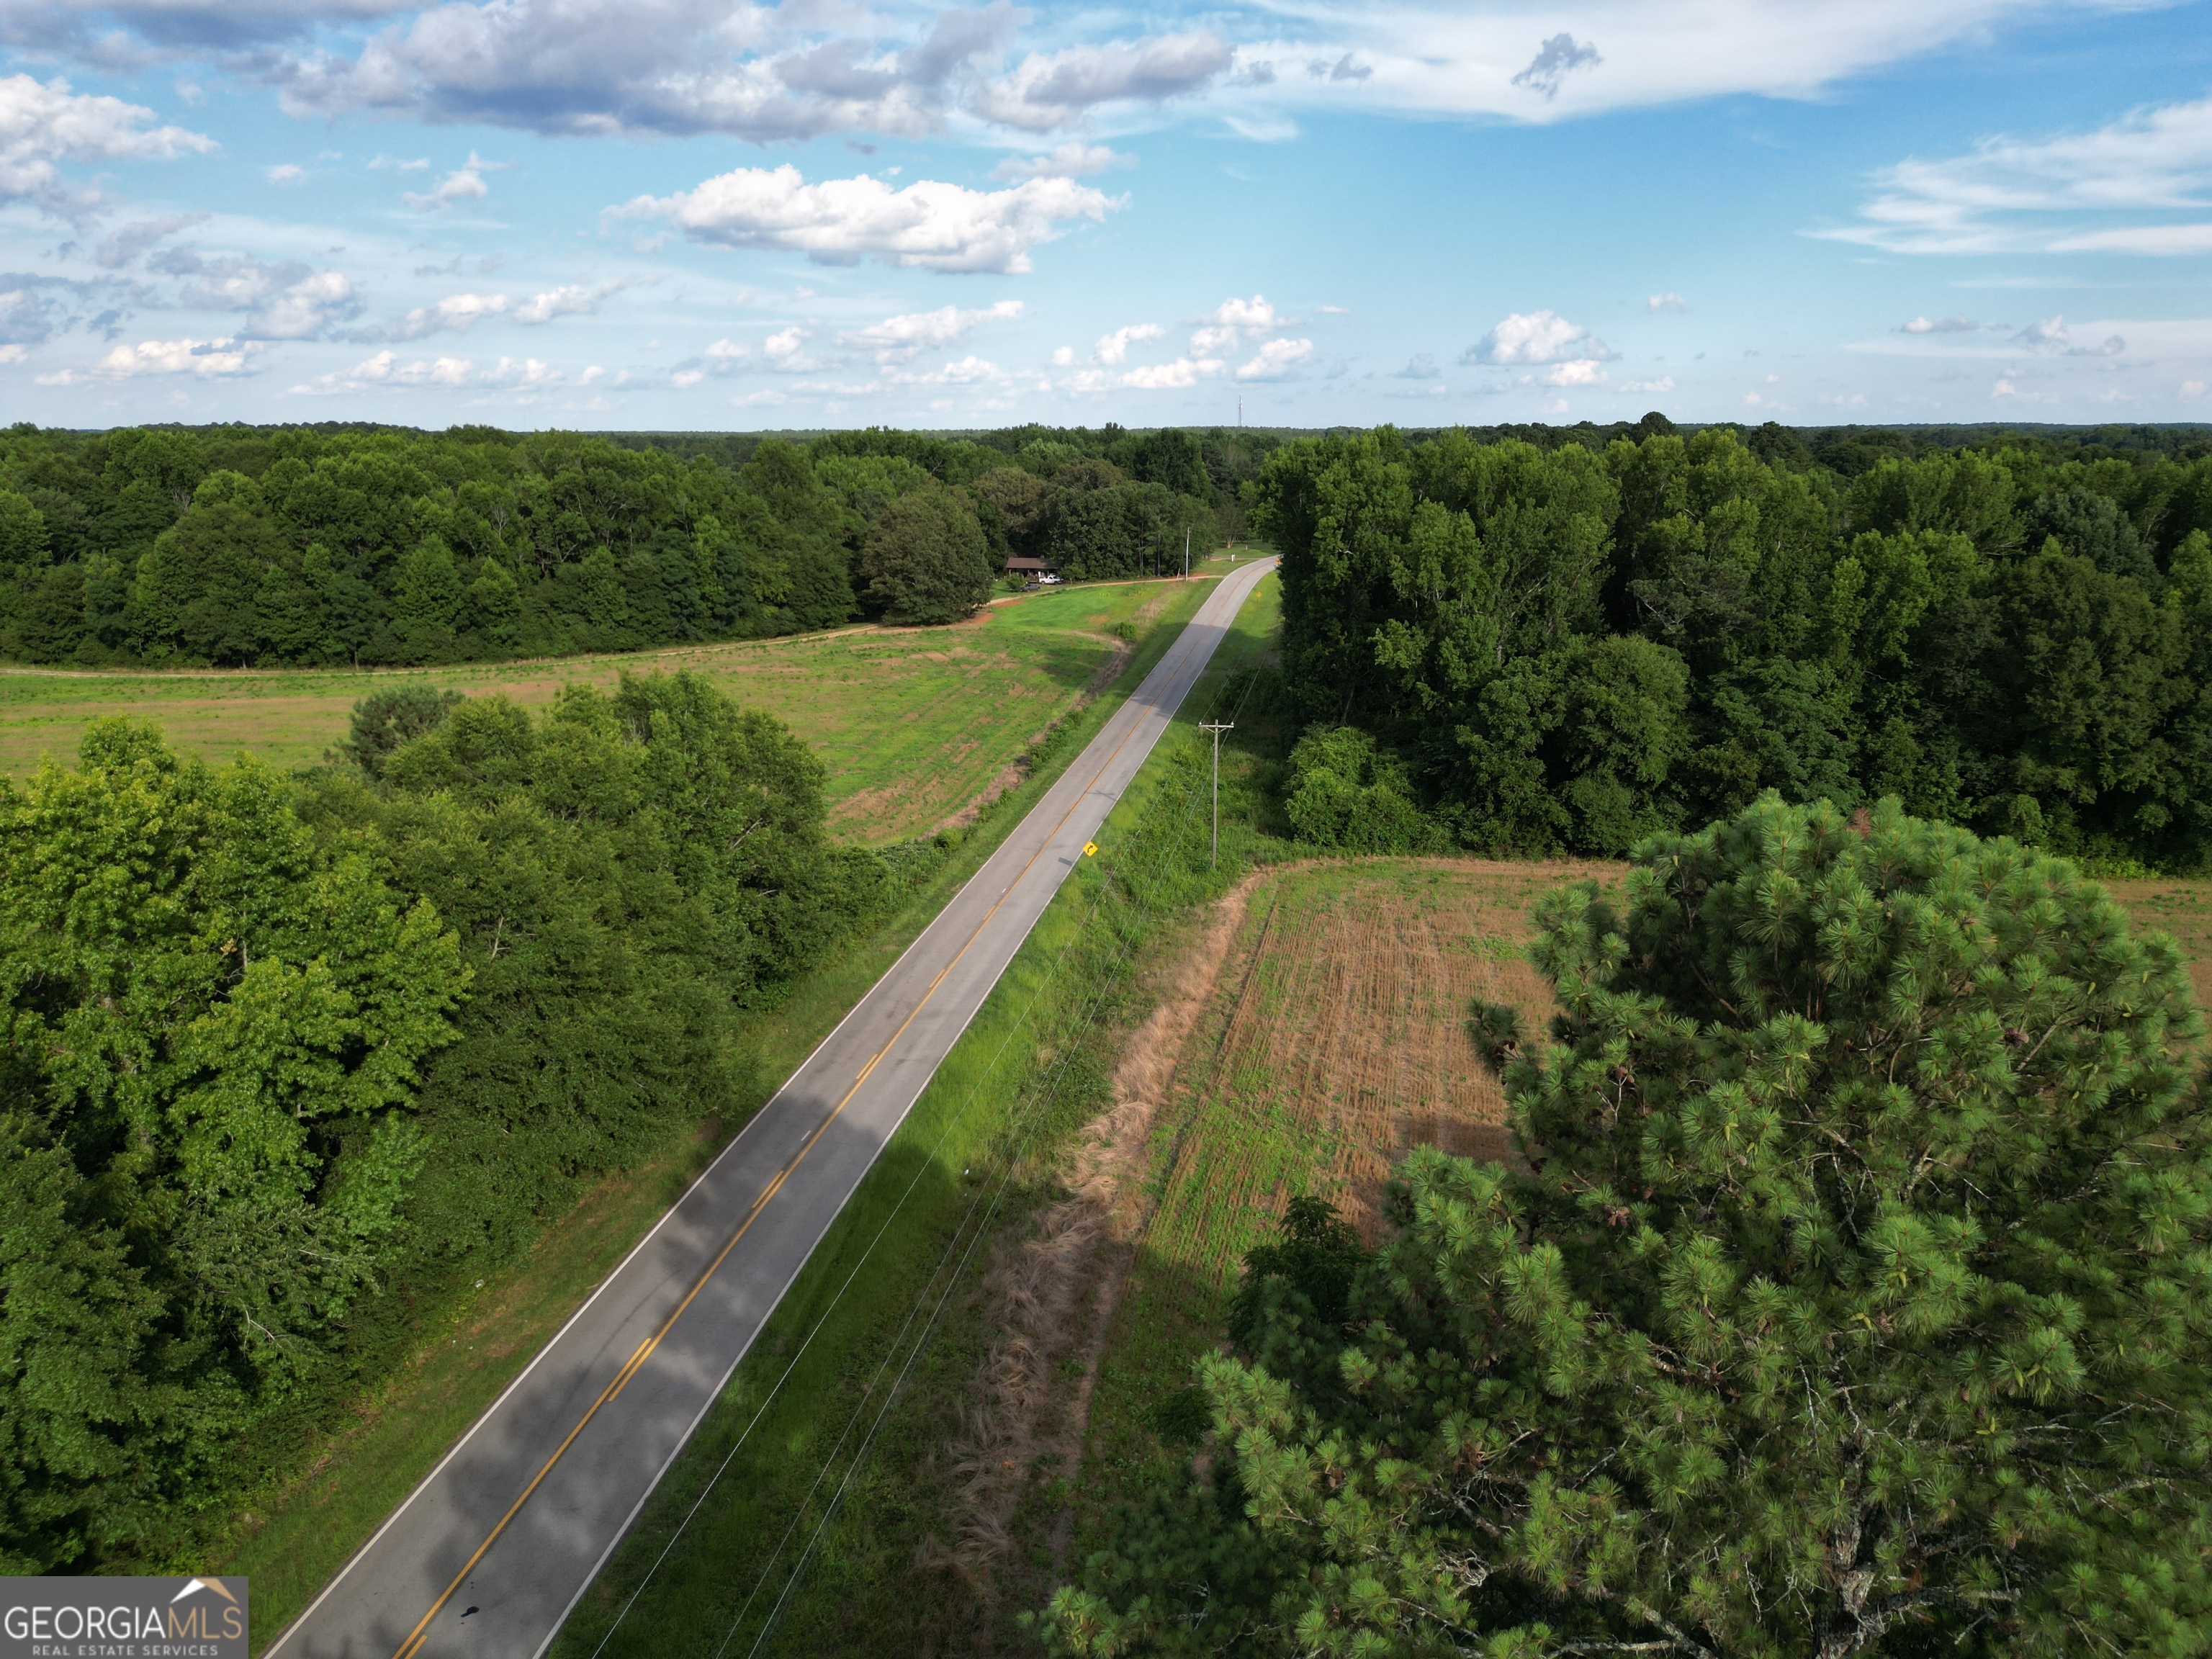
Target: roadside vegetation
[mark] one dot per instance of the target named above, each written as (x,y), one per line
(852,1439)
(460,1337)
(1358,1244)
(301,1066)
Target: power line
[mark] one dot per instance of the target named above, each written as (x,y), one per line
(891,1396)
(922,1167)
(1217,728)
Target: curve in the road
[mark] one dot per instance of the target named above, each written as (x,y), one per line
(488,1555)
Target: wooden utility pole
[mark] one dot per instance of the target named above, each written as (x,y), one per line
(1217,728)
(1186,552)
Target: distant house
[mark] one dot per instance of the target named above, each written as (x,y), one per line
(1032,567)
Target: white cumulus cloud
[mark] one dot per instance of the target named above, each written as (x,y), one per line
(765,73)
(1114,348)
(786,351)
(1538,337)
(901,339)
(1234,320)
(1668,302)
(208,359)
(302,310)
(1276,360)
(929,224)
(384,369)
(44,124)
(464,184)
(1167,377)
(1664,383)
(1940,326)
(456,313)
(573,300)
(970,370)
(1049,90)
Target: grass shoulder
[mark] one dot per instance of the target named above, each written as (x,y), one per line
(835,1488)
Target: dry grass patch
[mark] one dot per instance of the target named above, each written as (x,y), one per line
(2182,908)
(1342,1042)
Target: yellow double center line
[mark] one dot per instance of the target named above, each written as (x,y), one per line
(413,1645)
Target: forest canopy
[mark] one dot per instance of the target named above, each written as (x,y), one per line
(1573,648)
(237,545)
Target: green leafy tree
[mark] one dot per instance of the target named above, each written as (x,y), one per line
(927,560)
(1852,1299)
(214,1020)
(1343,791)
(492,608)
(2085,693)
(83,1407)
(288,611)
(199,585)
(385,720)
(629,874)
(427,602)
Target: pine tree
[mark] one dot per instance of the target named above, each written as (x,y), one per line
(1853,1299)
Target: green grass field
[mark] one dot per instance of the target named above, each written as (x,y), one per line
(977,1159)
(912,723)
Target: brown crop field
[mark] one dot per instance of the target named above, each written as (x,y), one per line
(914,724)
(1333,1041)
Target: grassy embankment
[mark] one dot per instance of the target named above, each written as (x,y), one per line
(913,723)
(899,1569)
(1327,1048)
(960,702)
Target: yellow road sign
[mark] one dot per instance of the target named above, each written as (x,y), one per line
(1088,847)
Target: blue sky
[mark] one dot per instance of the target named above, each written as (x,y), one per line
(715,215)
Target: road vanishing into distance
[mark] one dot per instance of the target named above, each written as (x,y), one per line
(488,1555)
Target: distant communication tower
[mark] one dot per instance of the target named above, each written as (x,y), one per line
(1240,411)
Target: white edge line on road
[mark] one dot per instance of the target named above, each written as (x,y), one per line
(898,1123)
(736,1141)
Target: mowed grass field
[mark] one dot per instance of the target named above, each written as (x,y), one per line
(1334,1041)
(913,723)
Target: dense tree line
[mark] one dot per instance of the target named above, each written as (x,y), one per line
(1572,648)
(349,545)
(285,1057)
(1847,1297)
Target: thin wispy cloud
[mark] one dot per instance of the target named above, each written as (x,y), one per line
(2152,169)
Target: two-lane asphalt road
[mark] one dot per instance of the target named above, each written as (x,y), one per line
(489,1554)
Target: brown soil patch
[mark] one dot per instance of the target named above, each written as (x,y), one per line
(1360,1023)
(1056,1291)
